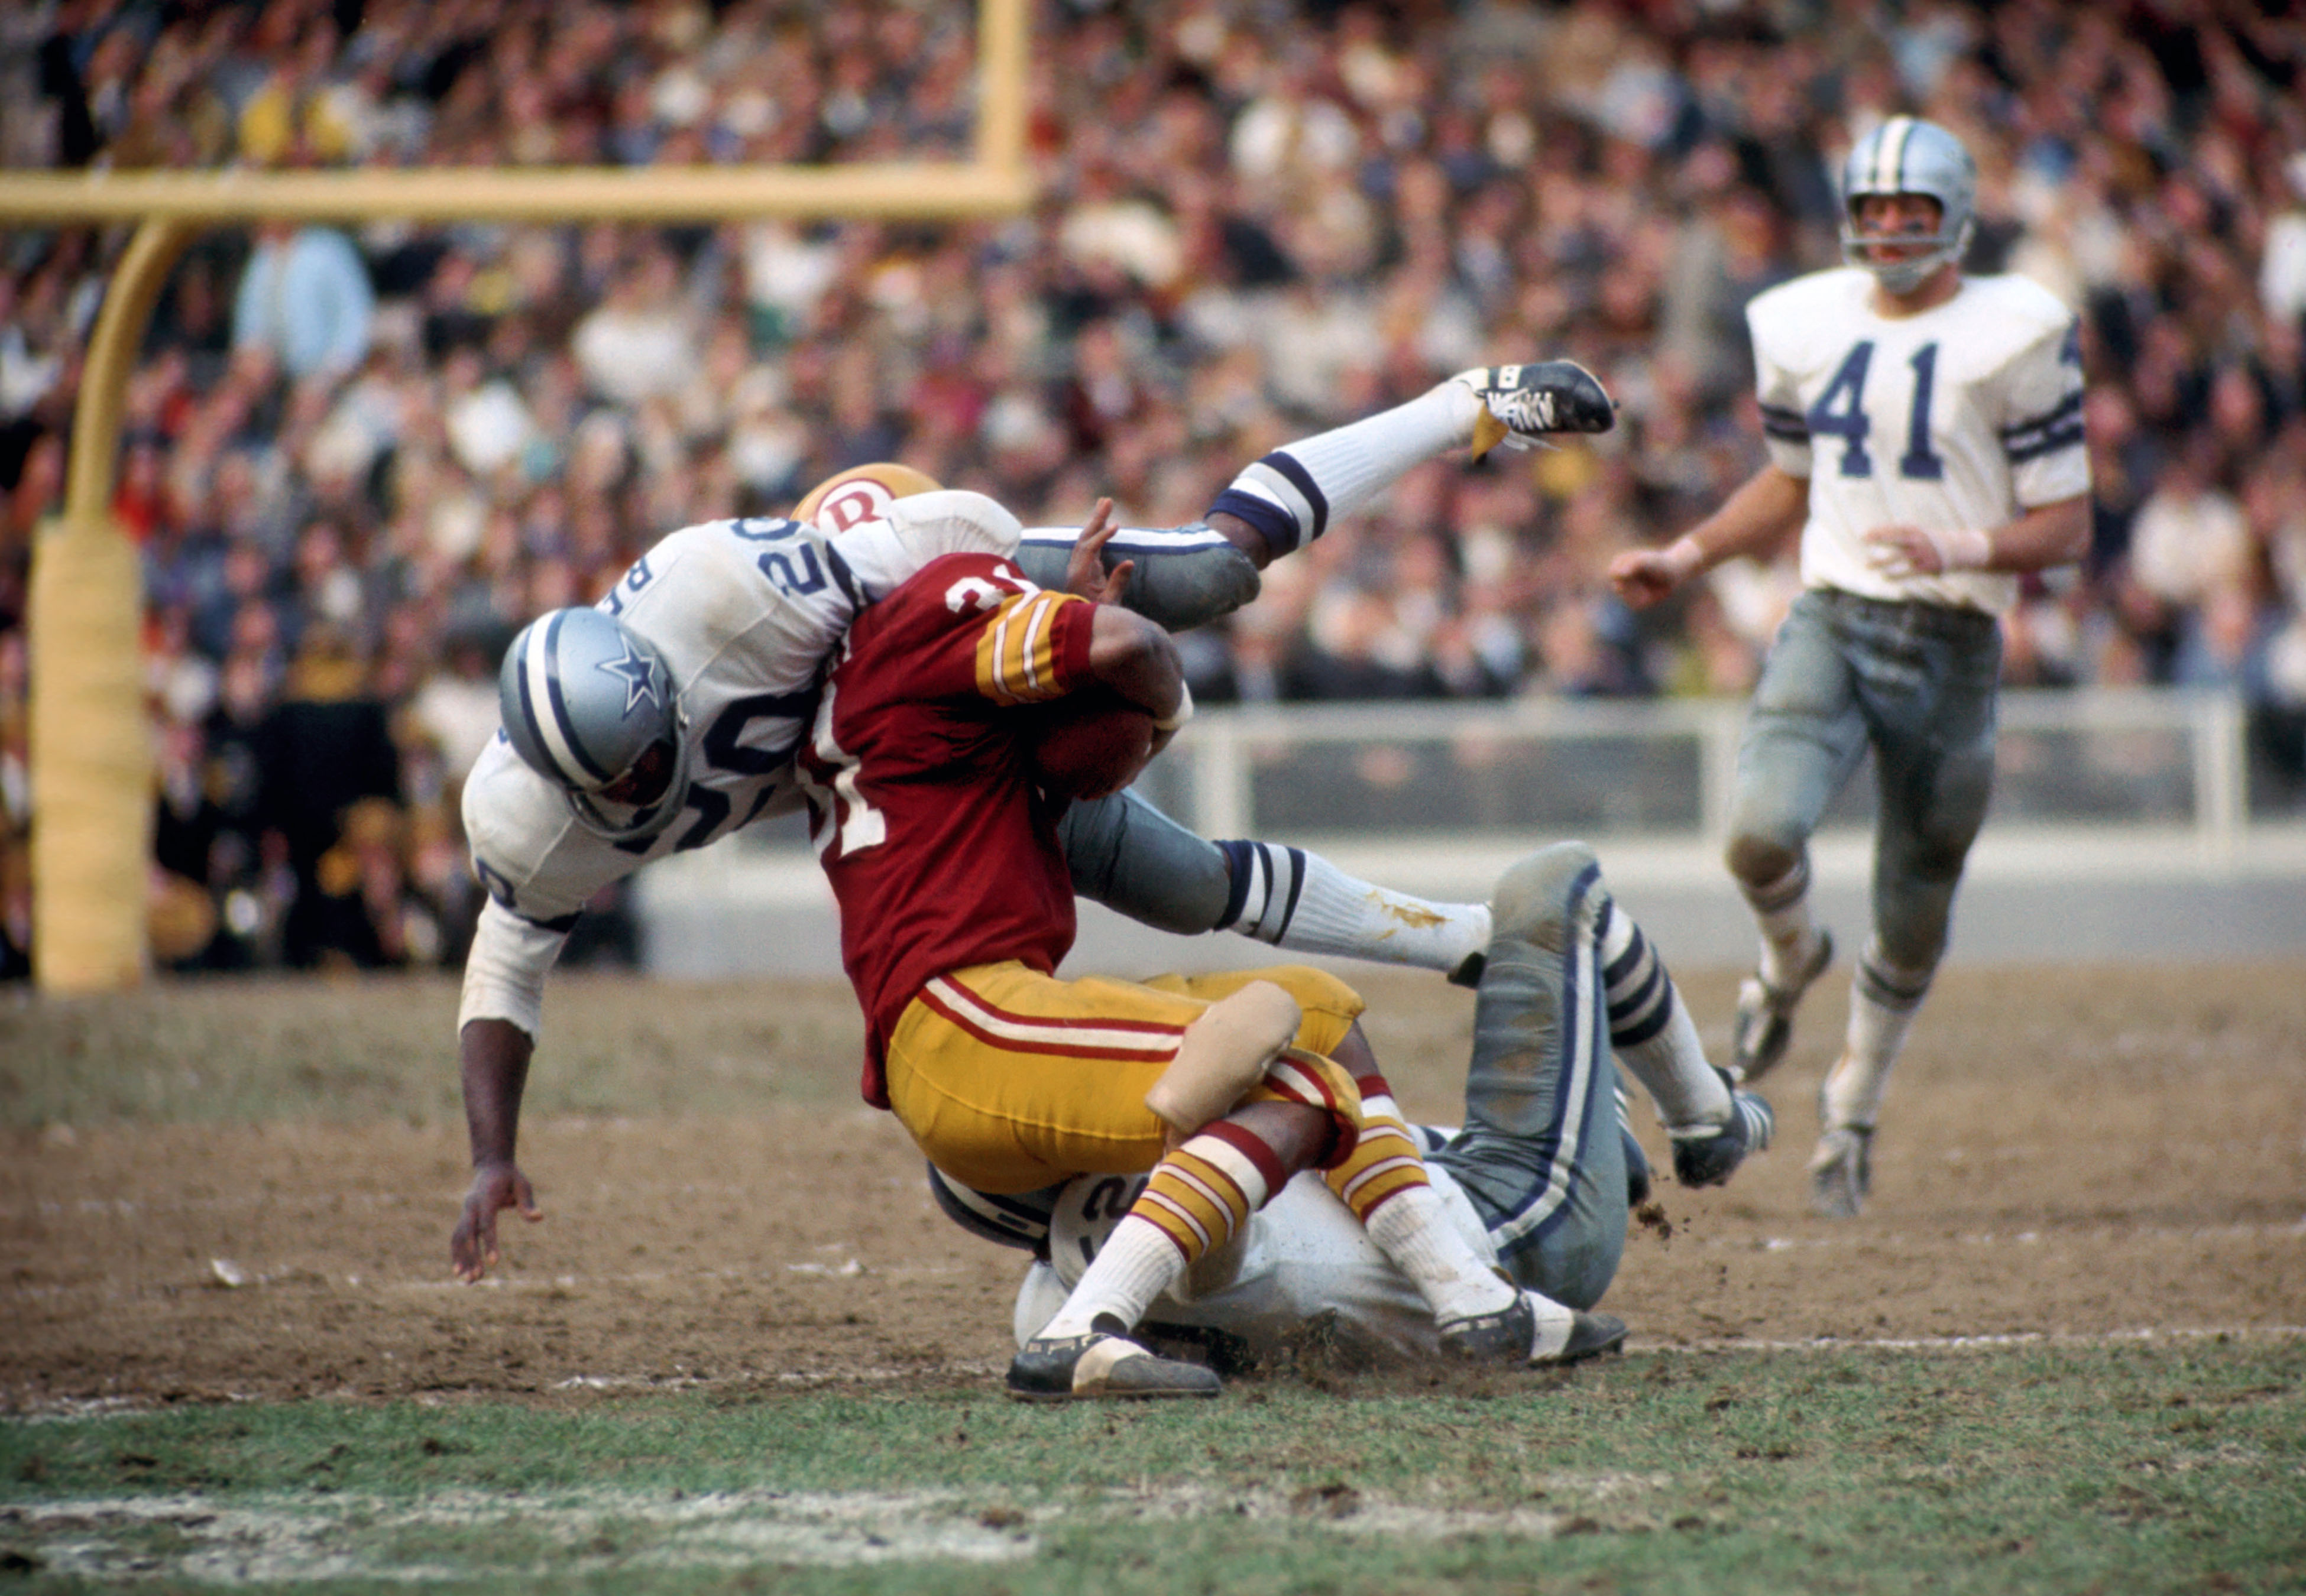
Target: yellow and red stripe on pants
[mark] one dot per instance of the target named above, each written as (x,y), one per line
(1009,1080)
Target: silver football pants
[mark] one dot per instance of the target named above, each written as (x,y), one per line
(1917,683)
(1541,1155)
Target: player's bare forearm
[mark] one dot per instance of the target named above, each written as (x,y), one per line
(494,1056)
(2046,536)
(1137,660)
(1767,508)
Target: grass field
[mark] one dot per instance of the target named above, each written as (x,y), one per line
(2062,1353)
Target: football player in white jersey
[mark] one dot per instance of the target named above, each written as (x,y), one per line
(1924,433)
(668,717)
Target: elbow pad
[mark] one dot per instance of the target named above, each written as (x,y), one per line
(1186,577)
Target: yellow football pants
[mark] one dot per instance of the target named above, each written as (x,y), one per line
(1009,1080)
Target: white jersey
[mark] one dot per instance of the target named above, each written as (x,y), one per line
(1964,415)
(1302,1256)
(745,614)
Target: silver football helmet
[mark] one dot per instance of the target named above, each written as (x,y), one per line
(1909,156)
(583,698)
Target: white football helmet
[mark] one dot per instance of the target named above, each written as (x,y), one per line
(583,698)
(1909,156)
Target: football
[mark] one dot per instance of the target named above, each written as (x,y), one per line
(1089,744)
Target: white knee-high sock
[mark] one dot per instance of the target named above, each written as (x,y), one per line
(1291,495)
(1788,935)
(1884,1000)
(1412,1228)
(1301,901)
(1353,464)
(1650,1029)
(1198,1199)
(1137,1264)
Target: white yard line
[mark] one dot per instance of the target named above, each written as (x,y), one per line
(278,1538)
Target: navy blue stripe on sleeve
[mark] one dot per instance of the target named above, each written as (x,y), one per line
(2069,407)
(2047,443)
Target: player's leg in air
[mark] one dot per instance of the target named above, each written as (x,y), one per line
(1804,738)
(1128,856)
(1542,1156)
(1189,576)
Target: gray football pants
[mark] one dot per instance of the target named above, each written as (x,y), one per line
(1917,683)
(1541,1155)
(1127,855)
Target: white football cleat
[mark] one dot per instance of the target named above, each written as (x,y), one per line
(1841,1171)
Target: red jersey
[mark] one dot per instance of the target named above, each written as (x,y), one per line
(941,851)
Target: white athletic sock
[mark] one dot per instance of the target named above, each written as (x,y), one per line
(1884,1000)
(1652,1031)
(1136,1265)
(1789,938)
(1301,901)
(1353,464)
(1413,1230)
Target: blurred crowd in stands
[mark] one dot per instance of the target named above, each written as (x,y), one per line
(357,459)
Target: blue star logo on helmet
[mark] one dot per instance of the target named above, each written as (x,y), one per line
(637,671)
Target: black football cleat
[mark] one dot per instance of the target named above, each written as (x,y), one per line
(1523,404)
(1103,1365)
(1517,1335)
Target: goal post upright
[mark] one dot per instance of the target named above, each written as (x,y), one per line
(91,752)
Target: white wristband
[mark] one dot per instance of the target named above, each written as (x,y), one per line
(1178,716)
(1688,556)
(1962,548)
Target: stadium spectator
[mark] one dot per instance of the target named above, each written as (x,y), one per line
(305,296)
(1249,232)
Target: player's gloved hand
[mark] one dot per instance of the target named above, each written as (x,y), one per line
(1928,551)
(473,1244)
(1085,574)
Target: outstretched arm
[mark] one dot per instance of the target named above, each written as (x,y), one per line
(1766,507)
(494,1056)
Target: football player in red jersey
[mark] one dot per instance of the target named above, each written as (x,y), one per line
(956,907)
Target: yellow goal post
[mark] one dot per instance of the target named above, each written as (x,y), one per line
(91,757)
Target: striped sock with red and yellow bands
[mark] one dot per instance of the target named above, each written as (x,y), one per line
(1198,1197)
(1414,1233)
(1384,1161)
(1201,1194)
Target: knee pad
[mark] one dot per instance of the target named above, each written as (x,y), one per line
(1760,861)
(1535,900)
(1223,1053)
(1186,577)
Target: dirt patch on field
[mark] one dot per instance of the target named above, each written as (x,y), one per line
(2066,1152)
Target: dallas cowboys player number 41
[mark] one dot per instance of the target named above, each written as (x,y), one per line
(1925,435)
